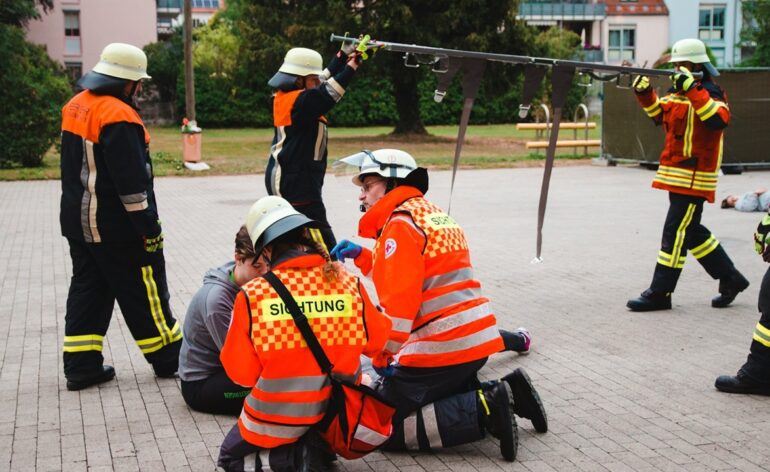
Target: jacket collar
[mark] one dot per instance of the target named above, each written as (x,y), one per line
(300,261)
(370,225)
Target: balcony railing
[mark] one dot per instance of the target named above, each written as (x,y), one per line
(170,5)
(561,10)
(592,55)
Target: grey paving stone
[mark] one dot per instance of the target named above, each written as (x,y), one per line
(624,391)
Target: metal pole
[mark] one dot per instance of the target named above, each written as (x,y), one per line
(189,78)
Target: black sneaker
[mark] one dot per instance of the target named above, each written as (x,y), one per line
(79,383)
(499,419)
(729,288)
(650,301)
(526,401)
(741,384)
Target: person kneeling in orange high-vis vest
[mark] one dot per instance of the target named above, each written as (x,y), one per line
(443,328)
(265,350)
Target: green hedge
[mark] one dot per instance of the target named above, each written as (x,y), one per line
(33,89)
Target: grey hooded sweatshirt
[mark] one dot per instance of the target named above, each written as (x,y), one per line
(205,325)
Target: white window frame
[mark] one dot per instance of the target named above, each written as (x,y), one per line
(72,43)
(622,49)
(709,30)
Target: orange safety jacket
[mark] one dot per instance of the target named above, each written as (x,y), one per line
(265,350)
(694,122)
(422,270)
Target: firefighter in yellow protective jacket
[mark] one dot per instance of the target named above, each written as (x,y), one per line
(109,216)
(265,350)
(694,114)
(443,327)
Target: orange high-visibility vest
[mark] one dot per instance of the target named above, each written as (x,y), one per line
(87,113)
(265,350)
(422,271)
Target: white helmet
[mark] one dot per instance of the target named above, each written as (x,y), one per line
(298,62)
(384,162)
(692,50)
(123,61)
(389,163)
(271,217)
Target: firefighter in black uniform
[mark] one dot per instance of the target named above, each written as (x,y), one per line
(754,376)
(297,163)
(110,219)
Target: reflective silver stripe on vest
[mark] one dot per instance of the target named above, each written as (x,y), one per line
(312,383)
(443,347)
(431,426)
(369,436)
(401,325)
(442,280)
(410,432)
(393,346)
(455,320)
(290,409)
(273,430)
(445,301)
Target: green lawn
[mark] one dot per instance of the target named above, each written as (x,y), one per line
(244,151)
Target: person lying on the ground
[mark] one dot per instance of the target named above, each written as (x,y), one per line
(205,385)
(758,200)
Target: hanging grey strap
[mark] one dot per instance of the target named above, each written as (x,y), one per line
(473,70)
(533,76)
(561,79)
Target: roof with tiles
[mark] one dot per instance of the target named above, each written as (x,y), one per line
(636,7)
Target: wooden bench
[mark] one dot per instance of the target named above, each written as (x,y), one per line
(543,126)
(576,143)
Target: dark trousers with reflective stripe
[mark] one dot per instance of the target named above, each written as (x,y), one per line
(683,232)
(238,455)
(435,407)
(216,394)
(317,211)
(101,274)
(757,366)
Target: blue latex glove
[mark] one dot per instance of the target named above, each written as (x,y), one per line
(385,371)
(345,249)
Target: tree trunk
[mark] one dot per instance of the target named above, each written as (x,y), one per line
(407,102)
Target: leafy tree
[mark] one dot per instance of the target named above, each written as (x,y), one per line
(757,16)
(19,12)
(216,48)
(165,63)
(33,88)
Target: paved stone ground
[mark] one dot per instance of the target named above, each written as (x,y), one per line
(624,391)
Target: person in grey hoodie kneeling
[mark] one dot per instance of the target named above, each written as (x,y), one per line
(205,385)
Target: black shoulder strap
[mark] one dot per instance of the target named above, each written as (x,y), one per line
(301,321)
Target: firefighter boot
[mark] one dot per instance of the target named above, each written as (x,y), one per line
(650,301)
(741,384)
(729,288)
(496,410)
(526,401)
(81,382)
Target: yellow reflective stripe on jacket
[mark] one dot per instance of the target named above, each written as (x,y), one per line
(654,109)
(762,335)
(688,132)
(706,248)
(83,342)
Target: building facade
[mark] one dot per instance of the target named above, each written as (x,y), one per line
(612,31)
(717,23)
(75,31)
